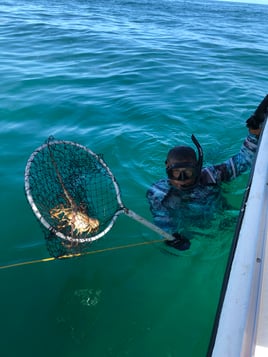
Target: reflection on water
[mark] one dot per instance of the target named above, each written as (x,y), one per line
(88,297)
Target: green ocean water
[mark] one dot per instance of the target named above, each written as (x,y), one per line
(128,79)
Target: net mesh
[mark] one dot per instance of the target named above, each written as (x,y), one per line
(72,193)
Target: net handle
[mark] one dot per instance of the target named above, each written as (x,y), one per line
(147,224)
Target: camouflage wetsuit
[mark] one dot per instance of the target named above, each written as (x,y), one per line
(174,209)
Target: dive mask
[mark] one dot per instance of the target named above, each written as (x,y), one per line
(188,170)
(182,171)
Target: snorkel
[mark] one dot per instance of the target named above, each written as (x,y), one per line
(200,155)
(187,164)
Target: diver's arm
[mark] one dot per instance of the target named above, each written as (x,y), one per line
(238,163)
(161,214)
(163,218)
(242,161)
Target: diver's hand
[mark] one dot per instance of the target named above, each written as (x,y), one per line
(256,120)
(179,242)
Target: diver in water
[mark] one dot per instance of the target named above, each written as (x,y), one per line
(191,193)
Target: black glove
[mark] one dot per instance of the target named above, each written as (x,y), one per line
(255,121)
(179,242)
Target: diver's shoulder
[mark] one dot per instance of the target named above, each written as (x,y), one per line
(162,186)
(208,175)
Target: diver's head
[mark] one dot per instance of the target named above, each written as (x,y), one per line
(183,167)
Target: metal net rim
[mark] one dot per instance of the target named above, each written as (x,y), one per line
(38,213)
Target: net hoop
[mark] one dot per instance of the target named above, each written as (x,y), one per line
(37,212)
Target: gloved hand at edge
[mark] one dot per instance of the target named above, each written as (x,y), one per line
(255,121)
(179,242)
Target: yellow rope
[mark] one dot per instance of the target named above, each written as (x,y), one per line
(44,260)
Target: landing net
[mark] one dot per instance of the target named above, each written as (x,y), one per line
(72,193)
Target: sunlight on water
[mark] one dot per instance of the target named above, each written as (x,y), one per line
(255,2)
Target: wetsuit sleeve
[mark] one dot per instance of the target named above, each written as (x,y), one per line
(161,215)
(237,164)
